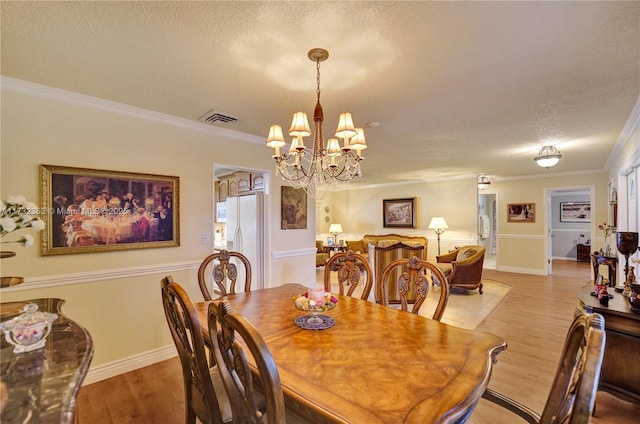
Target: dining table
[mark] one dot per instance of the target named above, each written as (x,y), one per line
(376,364)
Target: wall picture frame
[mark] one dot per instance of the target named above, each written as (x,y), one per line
(575,211)
(94,210)
(521,212)
(293,208)
(399,213)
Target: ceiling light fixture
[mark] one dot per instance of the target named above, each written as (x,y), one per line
(320,167)
(548,156)
(483,182)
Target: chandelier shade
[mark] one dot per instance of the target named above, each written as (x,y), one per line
(548,156)
(321,167)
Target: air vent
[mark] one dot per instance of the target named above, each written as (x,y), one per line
(217,118)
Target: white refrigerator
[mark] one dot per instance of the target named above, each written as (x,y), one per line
(245,234)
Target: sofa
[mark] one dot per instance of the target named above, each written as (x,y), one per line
(321,256)
(384,249)
(463,267)
(367,240)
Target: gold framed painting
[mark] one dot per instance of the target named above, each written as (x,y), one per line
(293,208)
(521,212)
(93,210)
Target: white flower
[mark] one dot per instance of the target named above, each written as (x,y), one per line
(17,213)
(26,240)
(16,200)
(37,224)
(7,225)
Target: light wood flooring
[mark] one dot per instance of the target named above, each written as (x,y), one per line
(533,319)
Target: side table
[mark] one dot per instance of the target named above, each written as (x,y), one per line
(583,251)
(335,248)
(43,384)
(609,261)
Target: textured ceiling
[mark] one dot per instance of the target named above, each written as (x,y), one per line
(460,88)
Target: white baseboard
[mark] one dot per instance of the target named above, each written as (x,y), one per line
(112,369)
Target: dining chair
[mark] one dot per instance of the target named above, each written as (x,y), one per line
(205,395)
(220,272)
(412,285)
(350,268)
(573,391)
(225,326)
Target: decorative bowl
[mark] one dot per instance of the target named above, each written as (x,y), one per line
(28,331)
(315,301)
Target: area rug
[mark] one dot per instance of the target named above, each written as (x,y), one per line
(469,308)
(466,308)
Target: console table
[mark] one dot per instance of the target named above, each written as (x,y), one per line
(620,372)
(42,385)
(609,261)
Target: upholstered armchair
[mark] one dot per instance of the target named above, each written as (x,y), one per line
(321,256)
(463,267)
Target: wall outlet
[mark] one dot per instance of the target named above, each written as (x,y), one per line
(205,238)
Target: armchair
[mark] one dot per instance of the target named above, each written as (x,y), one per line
(463,267)
(321,256)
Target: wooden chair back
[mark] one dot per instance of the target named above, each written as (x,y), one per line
(412,285)
(350,268)
(224,326)
(200,397)
(573,392)
(220,272)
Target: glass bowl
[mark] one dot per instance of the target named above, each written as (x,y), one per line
(28,331)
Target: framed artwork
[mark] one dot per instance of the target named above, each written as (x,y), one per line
(521,212)
(399,213)
(329,241)
(575,211)
(92,210)
(293,206)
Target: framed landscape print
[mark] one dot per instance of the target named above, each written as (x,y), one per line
(399,213)
(575,211)
(521,212)
(293,207)
(92,210)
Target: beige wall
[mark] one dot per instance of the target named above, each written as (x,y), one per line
(116,295)
(521,246)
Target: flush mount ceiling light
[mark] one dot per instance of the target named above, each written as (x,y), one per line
(548,156)
(321,166)
(483,182)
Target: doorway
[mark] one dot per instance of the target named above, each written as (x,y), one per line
(569,223)
(240,216)
(487,226)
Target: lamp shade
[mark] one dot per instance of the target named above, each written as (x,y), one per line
(438,223)
(299,125)
(548,156)
(335,228)
(276,138)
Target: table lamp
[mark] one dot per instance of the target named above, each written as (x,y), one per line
(438,224)
(335,229)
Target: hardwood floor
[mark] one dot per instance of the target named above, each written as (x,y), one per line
(533,319)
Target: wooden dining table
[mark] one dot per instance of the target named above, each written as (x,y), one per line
(377,364)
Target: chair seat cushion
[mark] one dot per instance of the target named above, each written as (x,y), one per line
(445,267)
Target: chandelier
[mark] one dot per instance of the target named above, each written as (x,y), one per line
(483,182)
(321,167)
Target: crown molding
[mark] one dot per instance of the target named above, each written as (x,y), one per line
(38,90)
